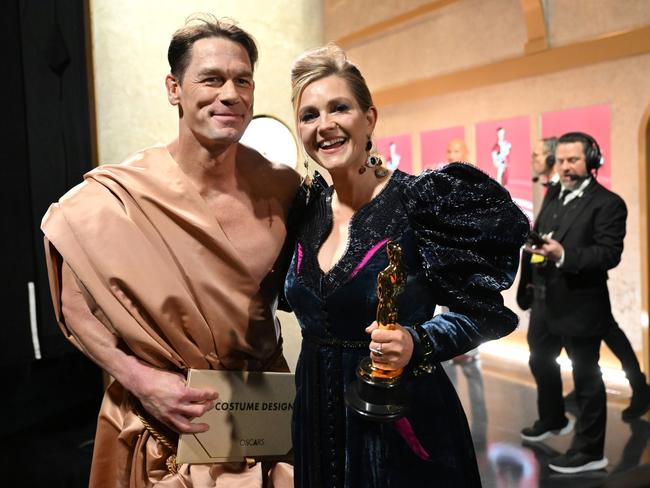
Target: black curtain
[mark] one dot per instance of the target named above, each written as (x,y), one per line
(46,142)
(17,267)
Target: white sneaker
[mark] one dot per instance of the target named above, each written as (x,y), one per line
(538,433)
(577,462)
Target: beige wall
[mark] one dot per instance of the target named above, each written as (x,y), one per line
(469,33)
(130,42)
(451,38)
(601,17)
(345,16)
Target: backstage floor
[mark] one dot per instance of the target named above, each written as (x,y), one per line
(57,452)
(504,461)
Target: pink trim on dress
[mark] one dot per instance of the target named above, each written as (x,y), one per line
(405,429)
(367,257)
(298,258)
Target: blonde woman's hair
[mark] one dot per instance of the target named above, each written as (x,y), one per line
(319,63)
(322,62)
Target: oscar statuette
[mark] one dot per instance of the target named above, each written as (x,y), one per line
(377,393)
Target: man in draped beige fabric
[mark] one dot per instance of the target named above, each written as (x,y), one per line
(173,260)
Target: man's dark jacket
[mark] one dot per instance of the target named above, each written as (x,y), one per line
(575,298)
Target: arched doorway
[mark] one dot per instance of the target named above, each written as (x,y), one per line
(644,211)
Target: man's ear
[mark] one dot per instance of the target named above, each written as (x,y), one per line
(173,89)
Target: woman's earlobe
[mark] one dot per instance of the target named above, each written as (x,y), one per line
(372,116)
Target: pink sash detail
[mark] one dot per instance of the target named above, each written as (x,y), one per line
(368,255)
(405,429)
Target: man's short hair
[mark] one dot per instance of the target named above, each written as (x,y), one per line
(591,149)
(201,26)
(550,143)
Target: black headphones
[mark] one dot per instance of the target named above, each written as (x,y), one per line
(593,155)
(550,143)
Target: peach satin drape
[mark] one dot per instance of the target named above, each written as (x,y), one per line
(158,271)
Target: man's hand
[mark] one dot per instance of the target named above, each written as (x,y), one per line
(164,395)
(395,346)
(552,249)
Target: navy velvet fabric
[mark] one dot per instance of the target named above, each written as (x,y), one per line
(460,234)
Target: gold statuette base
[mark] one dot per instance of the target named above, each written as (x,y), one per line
(377,398)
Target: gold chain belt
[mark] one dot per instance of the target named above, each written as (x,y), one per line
(172,465)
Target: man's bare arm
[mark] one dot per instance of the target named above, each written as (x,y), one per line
(162,393)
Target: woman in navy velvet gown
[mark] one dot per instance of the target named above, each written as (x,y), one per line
(460,234)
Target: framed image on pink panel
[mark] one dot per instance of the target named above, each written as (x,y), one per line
(434,144)
(595,121)
(503,152)
(397,152)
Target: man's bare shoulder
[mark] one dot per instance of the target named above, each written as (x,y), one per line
(267,176)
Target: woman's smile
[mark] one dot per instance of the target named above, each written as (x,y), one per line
(332,145)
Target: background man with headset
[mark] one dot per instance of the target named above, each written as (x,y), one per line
(543,161)
(582,225)
(546,172)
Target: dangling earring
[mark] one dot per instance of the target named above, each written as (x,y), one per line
(374,160)
(307,181)
(307,178)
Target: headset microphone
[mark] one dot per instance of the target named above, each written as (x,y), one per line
(577,177)
(535,179)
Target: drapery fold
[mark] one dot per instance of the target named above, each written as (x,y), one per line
(158,271)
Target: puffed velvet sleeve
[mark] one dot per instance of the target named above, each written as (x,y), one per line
(469,233)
